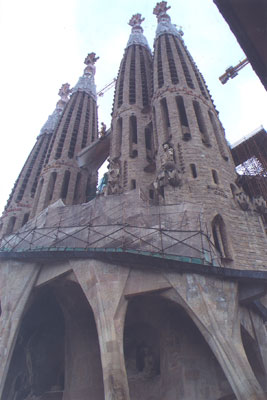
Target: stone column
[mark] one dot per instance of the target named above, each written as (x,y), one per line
(103,285)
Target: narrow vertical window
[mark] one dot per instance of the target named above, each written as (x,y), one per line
(86,123)
(65,185)
(62,137)
(160,67)
(37,196)
(165,117)
(121,79)
(133,136)
(133,184)
(143,77)
(193,170)
(172,67)
(217,136)
(220,237)
(25,219)
(183,118)
(215,176)
(118,138)
(50,188)
(187,75)
(11,225)
(201,123)
(77,188)
(132,89)
(155,127)
(75,128)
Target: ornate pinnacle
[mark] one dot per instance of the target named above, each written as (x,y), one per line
(161,9)
(91,59)
(64,92)
(136,20)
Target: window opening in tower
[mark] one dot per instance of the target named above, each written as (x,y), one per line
(76,127)
(145,96)
(86,124)
(172,67)
(65,185)
(201,123)
(132,89)
(160,67)
(187,75)
(165,117)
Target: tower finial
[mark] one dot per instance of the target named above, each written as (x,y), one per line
(86,83)
(136,22)
(137,36)
(64,92)
(164,20)
(90,61)
(161,9)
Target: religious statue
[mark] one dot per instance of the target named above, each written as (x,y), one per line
(168,172)
(260,205)
(243,201)
(114,177)
(103,130)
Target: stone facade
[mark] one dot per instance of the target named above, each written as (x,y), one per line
(156,288)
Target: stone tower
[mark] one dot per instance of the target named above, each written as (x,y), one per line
(155,293)
(61,178)
(132,145)
(20,203)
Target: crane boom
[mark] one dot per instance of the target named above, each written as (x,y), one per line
(232,72)
(107,87)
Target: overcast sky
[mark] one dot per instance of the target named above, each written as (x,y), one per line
(44,44)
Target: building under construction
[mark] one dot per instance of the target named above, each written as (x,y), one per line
(153,285)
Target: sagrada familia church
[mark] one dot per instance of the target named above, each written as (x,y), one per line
(152,285)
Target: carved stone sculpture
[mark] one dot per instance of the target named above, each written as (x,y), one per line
(168,173)
(114,186)
(243,201)
(260,205)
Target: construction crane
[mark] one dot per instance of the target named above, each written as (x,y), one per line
(107,87)
(232,72)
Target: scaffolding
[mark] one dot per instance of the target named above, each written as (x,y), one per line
(155,232)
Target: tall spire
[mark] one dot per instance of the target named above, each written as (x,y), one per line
(164,20)
(86,83)
(136,36)
(53,119)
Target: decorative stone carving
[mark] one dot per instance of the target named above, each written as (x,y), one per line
(168,173)
(90,61)
(103,130)
(64,92)
(137,36)
(260,205)
(243,201)
(114,168)
(164,20)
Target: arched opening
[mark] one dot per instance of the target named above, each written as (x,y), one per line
(220,237)
(253,353)
(25,219)
(65,185)
(165,117)
(11,225)
(201,124)
(37,365)
(50,188)
(133,138)
(215,176)
(166,356)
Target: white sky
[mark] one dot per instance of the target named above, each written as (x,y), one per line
(44,43)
